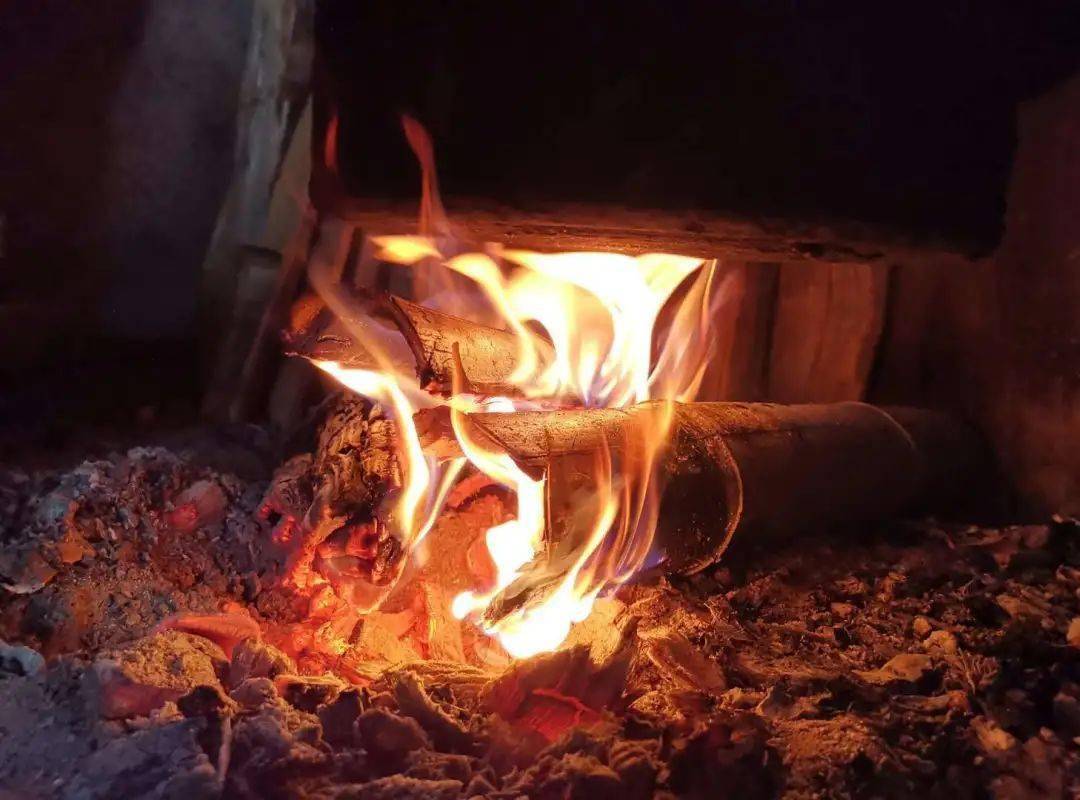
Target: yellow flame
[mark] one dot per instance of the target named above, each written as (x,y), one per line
(585,325)
(598,313)
(382,387)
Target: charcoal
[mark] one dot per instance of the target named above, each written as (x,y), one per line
(226,630)
(681,664)
(307,692)
(40,717)
(273,749)
(726,751)
(202,503)
(1072,636)
(479,786)
(879,665)
(19,660)
(637,767)
(162,761)
(207,702)
(573,776)
(440,766)
(904,669)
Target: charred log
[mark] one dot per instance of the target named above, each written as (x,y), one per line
(325,506)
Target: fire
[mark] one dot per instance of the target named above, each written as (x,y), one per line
(416,507)
(599,314)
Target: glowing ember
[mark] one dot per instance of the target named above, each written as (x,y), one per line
(598,313)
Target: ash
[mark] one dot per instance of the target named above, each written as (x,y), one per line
(152,649)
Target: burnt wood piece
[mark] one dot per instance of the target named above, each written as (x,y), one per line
(256,377)
(246,364)
(916,314)
(828,321)
(354,462)
(256,282)
(353,470)
(758,470)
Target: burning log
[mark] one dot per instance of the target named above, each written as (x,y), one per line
(411,336)
(319,333)
(487,356)
(762,470)
(323,507)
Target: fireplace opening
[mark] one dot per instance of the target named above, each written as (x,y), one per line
(579,421)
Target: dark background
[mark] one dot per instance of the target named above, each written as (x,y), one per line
(897,113)
(117,124)
(116,146)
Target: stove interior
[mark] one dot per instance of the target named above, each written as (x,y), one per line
(538,403)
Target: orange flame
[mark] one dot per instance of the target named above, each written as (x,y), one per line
(330,144)
(599,313)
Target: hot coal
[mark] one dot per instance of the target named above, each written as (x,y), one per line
(911,659)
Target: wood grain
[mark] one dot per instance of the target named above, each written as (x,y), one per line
(829,319)
(610,228)
(742,330)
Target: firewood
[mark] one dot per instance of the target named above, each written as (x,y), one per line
(488,356)
(742,334)
(760,469)
(318,503)
(347,333)
(259,271)
(409,337)
(828,320)
(785,466)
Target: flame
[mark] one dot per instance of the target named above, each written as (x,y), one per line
(330,144)
(408,516)
(512,544)
(425,481)
(600,315)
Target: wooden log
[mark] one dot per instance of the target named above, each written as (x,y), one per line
(566,227)
(442,343)
(487,356)
(291,394)
(349,334)
(828,322)
(742,332)
(755,470)
(324,506)
(258,369)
